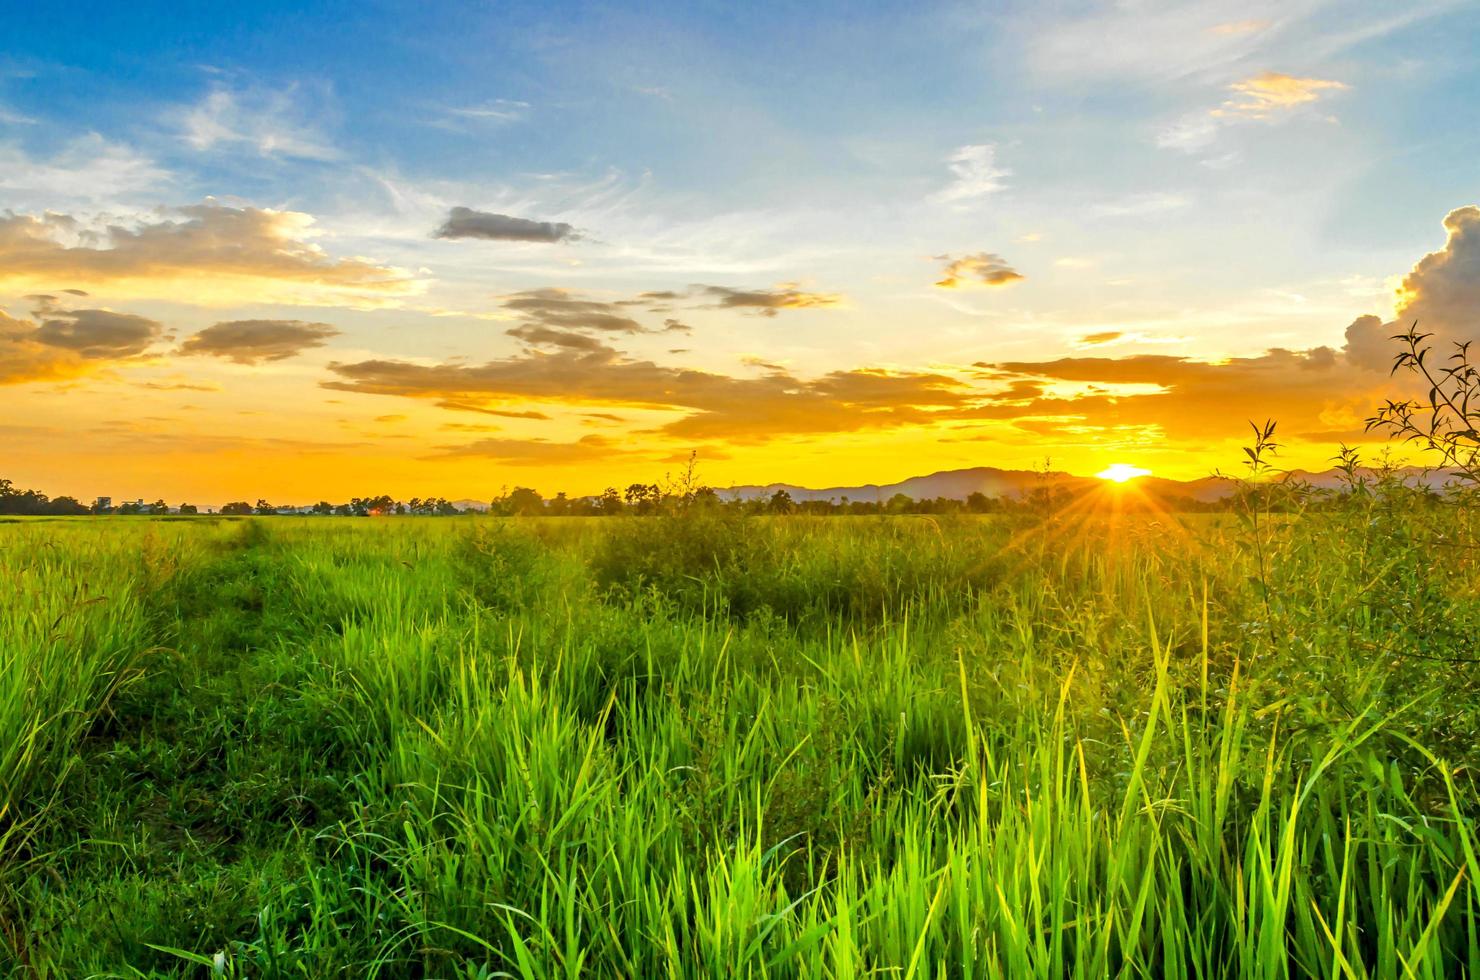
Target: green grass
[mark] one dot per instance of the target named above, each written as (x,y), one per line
(720,746)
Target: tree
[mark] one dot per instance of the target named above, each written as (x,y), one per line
(188,509)
(158,507)
(237,508)
(264,508)
(610,502)
(643,497)
(67,505)
(323,507)
(525,502)
(781,503)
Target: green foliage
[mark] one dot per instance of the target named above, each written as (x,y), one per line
(700,743)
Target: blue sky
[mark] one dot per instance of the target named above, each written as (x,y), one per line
(1204,181)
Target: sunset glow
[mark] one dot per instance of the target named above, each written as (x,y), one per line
(1121,472)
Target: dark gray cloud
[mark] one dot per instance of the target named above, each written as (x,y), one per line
(255,341)
(467,223)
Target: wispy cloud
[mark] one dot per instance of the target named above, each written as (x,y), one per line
(272,122)
(975,174)
(1267,97)
(88,169)
(1272,92)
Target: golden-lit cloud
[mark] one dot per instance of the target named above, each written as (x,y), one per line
(1271,92)
(1321,394)
(769,302)
(712,405)
(255,341)
(977,269)
(1441,294)
(210,253)
(61,343)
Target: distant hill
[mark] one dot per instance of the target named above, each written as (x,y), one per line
(993,482)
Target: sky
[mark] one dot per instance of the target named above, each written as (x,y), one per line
(314,251)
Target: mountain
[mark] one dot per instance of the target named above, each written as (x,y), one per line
(987,480)
(993,482)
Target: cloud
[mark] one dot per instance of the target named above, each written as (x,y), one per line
(1136,205)
(88,169)
(710,405)
(271,122)
(975,174)
(498,112)
(255,341)
(1237,27)
(1320,394)
(1271,92)
(466,223)
(62,344)
(563,309)
(538,336)
(98,334)
(535,452)
(1441,294)
(456,406)
(769,302)
(977,269)
(176,386)
(211,253)
(1267,97)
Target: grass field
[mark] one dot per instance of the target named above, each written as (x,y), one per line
(711,745)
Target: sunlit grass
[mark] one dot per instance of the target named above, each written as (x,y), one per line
(1073,744)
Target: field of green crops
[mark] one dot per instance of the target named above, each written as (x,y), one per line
(710,745)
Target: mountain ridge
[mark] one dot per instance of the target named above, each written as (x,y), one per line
(995,482)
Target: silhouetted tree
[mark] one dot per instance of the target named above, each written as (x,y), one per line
(525,502)
(610,502)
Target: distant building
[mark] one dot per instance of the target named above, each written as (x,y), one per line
(103,503)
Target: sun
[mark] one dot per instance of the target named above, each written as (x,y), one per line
(1121,472)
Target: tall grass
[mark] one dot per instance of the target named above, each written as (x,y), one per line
(754,747)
